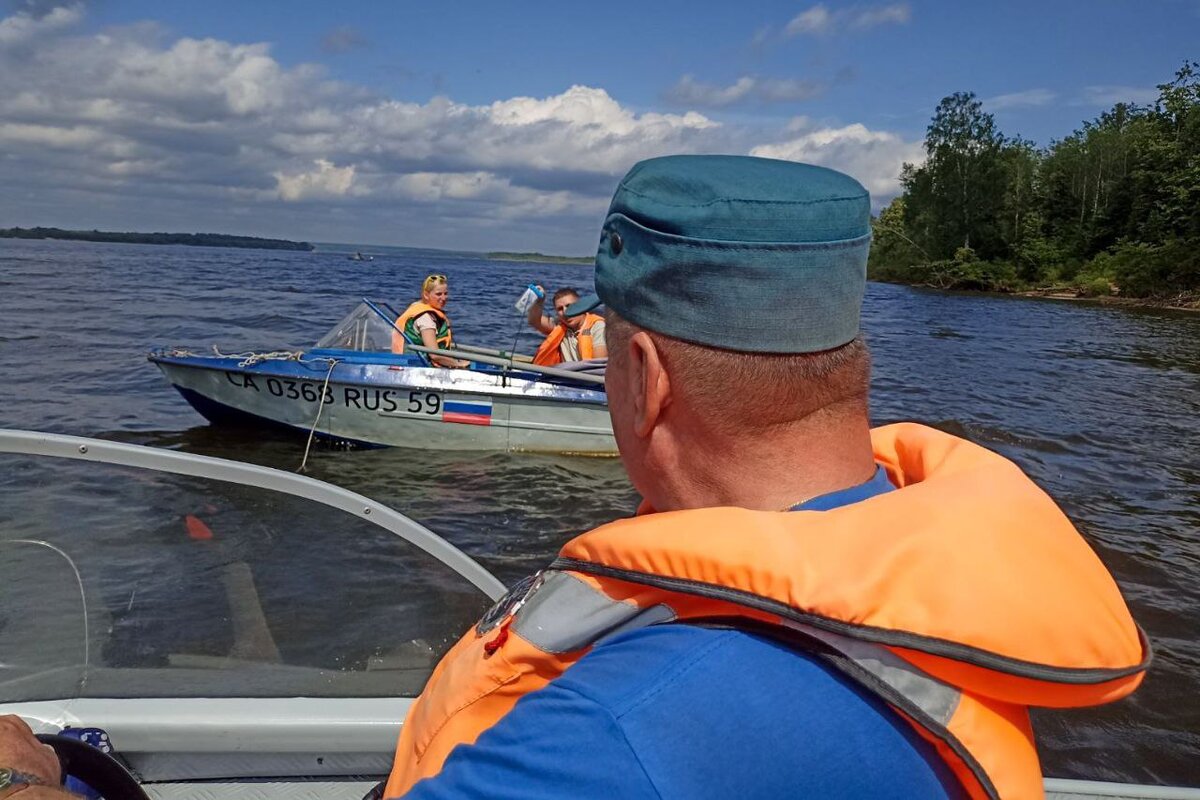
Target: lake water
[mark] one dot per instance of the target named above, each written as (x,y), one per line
(1101,406)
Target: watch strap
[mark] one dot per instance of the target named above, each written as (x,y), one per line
(10,777)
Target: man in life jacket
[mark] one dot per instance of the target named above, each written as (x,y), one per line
(568,338)
(804,606)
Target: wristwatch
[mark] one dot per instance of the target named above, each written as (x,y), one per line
(11,777)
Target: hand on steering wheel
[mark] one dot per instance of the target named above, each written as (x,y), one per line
(94,767)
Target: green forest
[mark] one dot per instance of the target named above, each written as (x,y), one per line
(1111,210)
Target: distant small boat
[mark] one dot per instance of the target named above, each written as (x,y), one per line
(360,257)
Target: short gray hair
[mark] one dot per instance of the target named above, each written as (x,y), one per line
(732,389)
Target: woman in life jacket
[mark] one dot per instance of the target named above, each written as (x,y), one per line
(575,338)
(425,323)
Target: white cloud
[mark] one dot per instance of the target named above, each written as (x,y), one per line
(207,134)
(325,181)
(873,157)
(776,90)
(1111,95)
(25,26)
(1029,97)
(586,107)
(74,137)
(689,91)
(894,14)
(820,20)
(817,19)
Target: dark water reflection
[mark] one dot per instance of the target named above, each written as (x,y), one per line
(1101,406)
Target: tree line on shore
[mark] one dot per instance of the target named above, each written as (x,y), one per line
(1112,209)
(129,237)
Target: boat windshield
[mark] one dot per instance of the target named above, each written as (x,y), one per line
(120,582)
(43,628)
(362,329)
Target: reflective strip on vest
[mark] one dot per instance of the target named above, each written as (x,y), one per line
(566,614)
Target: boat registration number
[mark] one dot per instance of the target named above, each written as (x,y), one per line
(401,402)
(428,403)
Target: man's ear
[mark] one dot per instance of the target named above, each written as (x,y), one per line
(651,385)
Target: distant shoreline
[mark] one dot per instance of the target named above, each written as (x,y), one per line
(540,258)
(1186,301)
(127,237)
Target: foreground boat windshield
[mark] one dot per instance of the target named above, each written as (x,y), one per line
(121,581)
(363,329)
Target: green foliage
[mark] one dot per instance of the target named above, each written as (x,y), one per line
(1140,269)
(958,191)
(540,258)
(965,255)
(890,245)
(1096,286)
(985,276)
(1116,203)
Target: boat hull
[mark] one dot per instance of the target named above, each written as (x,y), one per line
(386,402)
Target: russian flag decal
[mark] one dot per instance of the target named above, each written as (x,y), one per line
(467,409)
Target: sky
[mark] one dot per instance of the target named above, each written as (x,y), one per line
(507,125)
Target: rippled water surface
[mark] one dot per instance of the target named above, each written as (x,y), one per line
(1100,406)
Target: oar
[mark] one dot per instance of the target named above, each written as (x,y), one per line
(566,374)
(487,351)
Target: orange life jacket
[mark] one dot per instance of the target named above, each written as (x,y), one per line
(961,599)
(406,332)
(549,353)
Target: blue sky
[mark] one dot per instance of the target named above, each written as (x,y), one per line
(506,125)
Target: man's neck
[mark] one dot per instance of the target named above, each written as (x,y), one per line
(773,473)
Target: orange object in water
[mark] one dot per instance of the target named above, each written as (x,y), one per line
(961,599)
(196,529)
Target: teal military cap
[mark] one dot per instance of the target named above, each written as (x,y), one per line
(740,253)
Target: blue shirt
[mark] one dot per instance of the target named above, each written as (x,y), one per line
(681,711)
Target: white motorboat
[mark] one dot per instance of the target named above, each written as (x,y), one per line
(350,388)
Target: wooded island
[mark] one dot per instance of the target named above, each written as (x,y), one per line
(192,239)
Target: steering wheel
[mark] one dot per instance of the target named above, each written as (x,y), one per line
(94,767)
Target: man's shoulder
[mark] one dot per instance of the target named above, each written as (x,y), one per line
(686,694)
(626,671)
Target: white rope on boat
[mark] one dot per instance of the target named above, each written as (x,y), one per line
(320,407)
(250,359)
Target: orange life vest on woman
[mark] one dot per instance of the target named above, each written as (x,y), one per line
(405,331)
(961,599)
(549,353)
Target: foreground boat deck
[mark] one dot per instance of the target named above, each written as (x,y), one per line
(1056,789)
